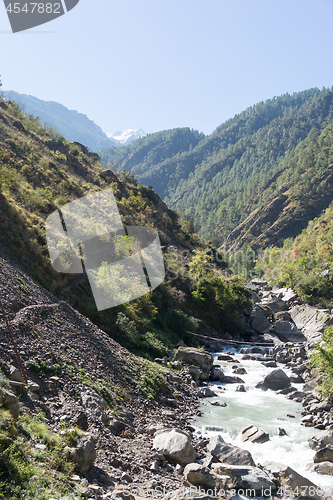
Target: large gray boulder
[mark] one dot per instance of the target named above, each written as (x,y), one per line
(275,381)
(290,478)
(216,373)
(175,445)
(259,320)
(199,475)
(192,356)
(228,453)
(311,321)
(288,331)
(84,453)
(94,402)
(246,478)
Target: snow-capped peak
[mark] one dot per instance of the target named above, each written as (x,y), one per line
(126,136)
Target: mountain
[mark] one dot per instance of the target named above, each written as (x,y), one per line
(126,136)
(229,180)
(74,126)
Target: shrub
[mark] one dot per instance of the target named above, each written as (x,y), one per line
(322,362)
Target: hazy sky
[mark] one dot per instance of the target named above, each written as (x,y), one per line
(158,64)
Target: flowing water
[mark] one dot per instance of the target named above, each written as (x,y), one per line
(266,410)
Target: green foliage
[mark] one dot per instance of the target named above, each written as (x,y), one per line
(240,168)
(304,263)
(322,362)
(127,327)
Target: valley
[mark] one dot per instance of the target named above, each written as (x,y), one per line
(125,401)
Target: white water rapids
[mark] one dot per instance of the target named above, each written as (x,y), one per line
(266,410)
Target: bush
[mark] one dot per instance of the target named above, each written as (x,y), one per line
(322,362)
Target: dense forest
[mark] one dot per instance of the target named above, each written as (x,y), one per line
(223,178)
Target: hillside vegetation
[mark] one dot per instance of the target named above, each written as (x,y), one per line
(40,172)
(242,171)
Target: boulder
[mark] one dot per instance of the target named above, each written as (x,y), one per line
(275,380)
(290,478)
(258,320)
(228,453)
(254,435)
(191,355)
(175,445)
(15,375)
(239,370)
(94,402)
(324,468)
(206,392)
(195,372)
(228,379)
(324,454)
(246,478)
(84,454)
(9,399)
(216,373)
(288,331)
(199,475)
(225,357)
(240,388)
(321,440)
(311,321)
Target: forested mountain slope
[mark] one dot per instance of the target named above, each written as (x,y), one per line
(40,173)
(233,172)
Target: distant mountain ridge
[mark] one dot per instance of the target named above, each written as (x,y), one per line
(239,181)
(74,126)
(126,136)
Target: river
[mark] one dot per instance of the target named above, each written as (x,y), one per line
(266,410)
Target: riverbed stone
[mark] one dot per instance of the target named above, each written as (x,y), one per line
(250,478)
(175,445)
(194,356)
(324,468)
(324,454)
(321,440)
(229,379)
(258,319)
(199,475)
(228,453)
(275,380)
(216,373)
(254,435)
(206,392)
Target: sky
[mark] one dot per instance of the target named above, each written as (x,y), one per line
(160,64)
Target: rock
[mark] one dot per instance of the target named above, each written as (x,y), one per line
(321,440)
(290,478)
(34,387)
(206,392)
(225,357)
(232,380)
(197,357)
(250,478)
(15,375)
(175,445)
(288,332)
(227,453)
(9,399)
(195,372)
(324,454)
(116,426)
(295,378)
(254,435)
(240,388)
(258,319)
(94,402)
(259,282)
(239,370)
(275,380)
(84,454)
(219,403)
(199,475)
(269,364)
(322,406)
(216,373)
(282,432)
(324,468)
(311,321)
